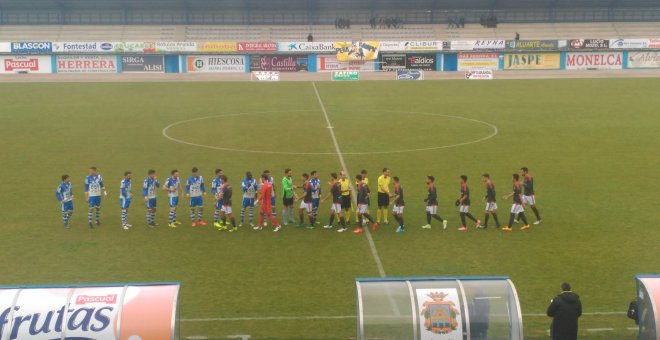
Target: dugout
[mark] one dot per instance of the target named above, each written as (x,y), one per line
(448,308)
(648,301)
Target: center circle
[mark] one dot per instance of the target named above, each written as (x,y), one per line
(305,132)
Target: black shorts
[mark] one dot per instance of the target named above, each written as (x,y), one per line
(287,201)
(346,202)
(383,200)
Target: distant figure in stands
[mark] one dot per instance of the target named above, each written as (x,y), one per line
(310,37)
(565,309)
(450,22)
(372,22)
(461,21)
(517,36)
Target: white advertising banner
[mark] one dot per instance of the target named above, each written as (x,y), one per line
(594,61)
(266,75)
(5,47)
(305,47)
(413,45)
(215,63)
(643,59)
(439,314)
(469,61)
(176,46)
(111,312)
(629,43)
(26,64)
(83,47)
(86,64)
(329,63)
(479,74)
(478,45)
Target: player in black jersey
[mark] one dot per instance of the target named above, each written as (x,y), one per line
(517,208)
(397,211)
(491,202)
(432,204)
(335,209)
(528,193)
(363,205)
(464,205)
(225,196)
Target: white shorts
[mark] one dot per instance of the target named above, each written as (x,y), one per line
(226,209)
(336,208)
(464,209)
(529,200)
(432,209)
(517,208)
(363,209)
(306,206)
(398,209)
(491,206)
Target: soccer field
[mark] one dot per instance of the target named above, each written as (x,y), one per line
(591,146)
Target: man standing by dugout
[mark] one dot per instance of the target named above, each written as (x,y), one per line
(565,309)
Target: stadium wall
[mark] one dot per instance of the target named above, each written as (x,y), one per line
(240,57)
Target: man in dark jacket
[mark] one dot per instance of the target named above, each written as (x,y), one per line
(565,309)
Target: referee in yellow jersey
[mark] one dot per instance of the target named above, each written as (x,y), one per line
(345,195)
(383,195)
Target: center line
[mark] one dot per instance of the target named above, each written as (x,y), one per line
(372,245)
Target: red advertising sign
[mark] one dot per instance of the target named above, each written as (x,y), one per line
(257,46)
(12,65)
(25,63)
(594,60)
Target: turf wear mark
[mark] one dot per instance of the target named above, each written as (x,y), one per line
(372,245)
(165,133)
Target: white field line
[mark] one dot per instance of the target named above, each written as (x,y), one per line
(372,245)
(340,317)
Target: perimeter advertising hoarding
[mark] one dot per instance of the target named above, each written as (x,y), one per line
(31,47)
(329,63)
(629,43)
(5,47)
(176,46)
(532,61)
(412,45)
(305,47)
(136,47)
(391,62)
(86,64)
(535,45)
(644,59)
(469,61)
(146,312)
(257,46)
(217,46)
(278,62)
(594,61)
(26,64)
(143,64)
(215,63)
(477,45)
(83,47)
(426,62)
(357,50)
(588,44)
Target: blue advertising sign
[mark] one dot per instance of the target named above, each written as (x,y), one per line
(31,47)
(409,74)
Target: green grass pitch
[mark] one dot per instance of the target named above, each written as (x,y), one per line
(592,146)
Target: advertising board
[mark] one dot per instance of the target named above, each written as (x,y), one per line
(215,63)
(266,75)
(257,46)
(176,46)
(329,63)
(31,47)
(534,45)
(278,62)
(305,47)
(357,50)
(532,61)
(217,46)
(629,43)
(135,47)
(594,61)
(411,45)
(143,64)
(83,47)
(345,75)
(588,44)
(26,64)
(86,64)
(643,59)
(469,61)
(478,45)
(426,62)
(409,75)
(479,74)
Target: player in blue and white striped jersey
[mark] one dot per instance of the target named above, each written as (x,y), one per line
(64,194)
(316,194)
(249,187)
(149,194)
(173,188)
(195,190)
(125,197)
(216,187)
(93,187)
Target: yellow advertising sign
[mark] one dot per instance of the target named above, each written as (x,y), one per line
(358,50)
(217,46)
(532,61)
